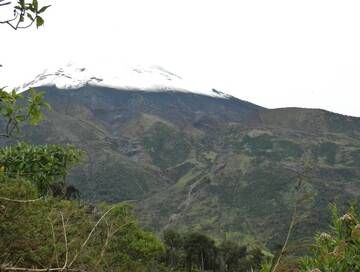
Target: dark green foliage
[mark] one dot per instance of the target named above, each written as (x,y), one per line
(287,148)
(43,165)
(174,242)
(179,171)
(196,251)
(342,123)
(166,146)
(259,144)
(118,181)
(328,151)
(343,174)
(259,191)
(233,256)
(200,250)
(356,157)
(172,239)
(270,147)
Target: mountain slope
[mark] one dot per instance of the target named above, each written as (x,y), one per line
(119,129)
(214,164)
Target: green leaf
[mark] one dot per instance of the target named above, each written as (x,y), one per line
(43,9)
(30,16)
(22,4)
(39,21)
(35,4)
(31,8)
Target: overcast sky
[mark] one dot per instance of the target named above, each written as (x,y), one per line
(273,53)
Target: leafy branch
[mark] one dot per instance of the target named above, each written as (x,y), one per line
(42,165)
(15,112)
(25,14)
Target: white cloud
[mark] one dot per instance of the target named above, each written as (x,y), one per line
(274,53)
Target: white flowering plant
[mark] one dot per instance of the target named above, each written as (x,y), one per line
(339,249)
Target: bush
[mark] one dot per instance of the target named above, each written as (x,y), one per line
(52,233)
(40,164)
(339,249)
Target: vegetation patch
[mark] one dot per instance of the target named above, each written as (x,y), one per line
(287,149)
(179,171)
(355,155)
(328,151)
(258,144)
(166,146)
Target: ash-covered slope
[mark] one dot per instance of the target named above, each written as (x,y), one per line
(205,162)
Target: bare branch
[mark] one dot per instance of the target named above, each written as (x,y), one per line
(10,20)
(6,268)
(66,243)
(283,249)
(54,242)
(109,235)
(64,268)
(103,250)
(4,4)
(297,198)
(29,25)
(20,200)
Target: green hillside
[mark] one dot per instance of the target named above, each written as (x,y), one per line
(224,167)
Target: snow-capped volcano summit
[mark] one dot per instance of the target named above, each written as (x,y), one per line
(154,78)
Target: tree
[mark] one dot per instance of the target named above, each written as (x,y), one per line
(200,250)
(231,255)
(174,243)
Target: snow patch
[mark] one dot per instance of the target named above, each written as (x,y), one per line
(153,79)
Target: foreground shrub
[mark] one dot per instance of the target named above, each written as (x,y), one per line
(50,233)
(339,249)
